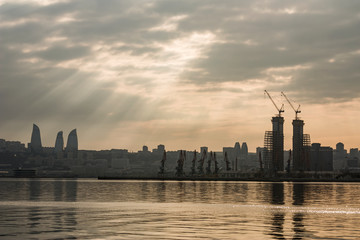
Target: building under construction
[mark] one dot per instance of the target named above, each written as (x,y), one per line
(274,142)
(274,146)
(301,142)
(301,147)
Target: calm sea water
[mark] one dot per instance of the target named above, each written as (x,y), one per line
(96,209)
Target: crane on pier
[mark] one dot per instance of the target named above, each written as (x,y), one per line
(295,110)
(280,110)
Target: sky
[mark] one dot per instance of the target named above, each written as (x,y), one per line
(184,73)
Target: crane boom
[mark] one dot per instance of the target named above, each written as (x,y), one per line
(280,110)
(295,110)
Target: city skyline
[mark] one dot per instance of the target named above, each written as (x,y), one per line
(146,73)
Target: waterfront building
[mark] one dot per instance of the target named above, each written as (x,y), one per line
(59,142)
(340,157)
(11,146)
(274,146)
(301,147)
(244,152)
(159,150)
(321,158)
(353,161)
(72,141)
(278,143)
(202,149)
(35,144)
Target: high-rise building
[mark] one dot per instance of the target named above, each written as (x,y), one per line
(72,142)
(298,133)
(278,143)
(59,142)
(35,144)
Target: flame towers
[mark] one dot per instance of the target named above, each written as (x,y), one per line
(35,144)
(72,142)
(59,143)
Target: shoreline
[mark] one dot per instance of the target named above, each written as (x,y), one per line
(232,179)
(197,178)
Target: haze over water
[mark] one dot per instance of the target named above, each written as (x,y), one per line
(94,209)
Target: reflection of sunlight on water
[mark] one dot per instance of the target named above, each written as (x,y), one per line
(91,209)
(181,207)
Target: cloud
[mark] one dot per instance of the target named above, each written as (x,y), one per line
(115,62)
(60,53)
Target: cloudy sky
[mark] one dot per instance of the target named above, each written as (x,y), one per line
(180,73)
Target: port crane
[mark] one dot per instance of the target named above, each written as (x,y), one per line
(295,110)
(280,110)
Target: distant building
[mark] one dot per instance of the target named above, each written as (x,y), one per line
(244,149)
(239,157)
(301,147)
(298,161)
(321,158)
(11,146)
(244,152)
(202,149)
(274,146)
(2,145)
(59,142)
(340,157)
(159,150)
(231,156)
(353,161)
(72,141)
(35,144)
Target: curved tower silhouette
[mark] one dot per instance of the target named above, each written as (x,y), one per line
(35,144)
(244,148)
(59,143)
(72,142)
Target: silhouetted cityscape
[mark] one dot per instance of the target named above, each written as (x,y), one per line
(305,160)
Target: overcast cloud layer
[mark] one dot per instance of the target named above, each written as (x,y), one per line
(181,73)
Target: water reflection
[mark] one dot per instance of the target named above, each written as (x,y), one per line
(34,189)
(58,190)
(71,191)
(161,191)
(181,191)
(277,228)
(277,217)
(34,217)
(42,219)
(277,193)
(85,209)
(298,193)
(298,226)
(298,218)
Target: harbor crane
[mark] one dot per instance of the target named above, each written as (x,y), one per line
(280,110)
(295,110)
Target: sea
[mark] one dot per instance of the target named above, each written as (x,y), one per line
(143,209)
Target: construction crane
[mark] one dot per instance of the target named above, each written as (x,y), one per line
(280,110)
(295,110)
